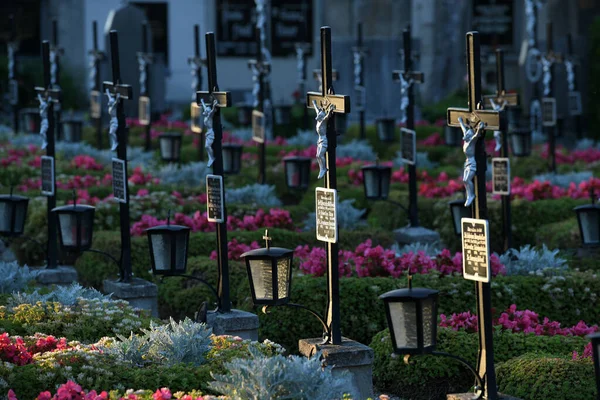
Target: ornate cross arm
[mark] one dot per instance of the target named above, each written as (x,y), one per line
(341,102)
(511,99)
(148,58)
(197,62)
(492,119)
(414,76)
(223,98)
(124,91)
(262,67)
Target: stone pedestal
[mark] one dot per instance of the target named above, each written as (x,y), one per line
(139,293)
(419,234)
(350,356)
(470,396)
(62,275)
(236,323)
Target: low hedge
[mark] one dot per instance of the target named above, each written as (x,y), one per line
(547,377)
(431,377)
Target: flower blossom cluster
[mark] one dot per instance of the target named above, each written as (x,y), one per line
(86,162)
(235,249)
(16,351)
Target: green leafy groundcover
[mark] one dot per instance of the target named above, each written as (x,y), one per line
(431,377)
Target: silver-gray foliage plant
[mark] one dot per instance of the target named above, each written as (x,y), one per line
(242,134)
(261,377)
(255,194)
(14,277)
(192,174)
(66,295)
(356,149)
(565,180)
(348,217)
(304,138)
(531,261)
(423,161)
(429,249)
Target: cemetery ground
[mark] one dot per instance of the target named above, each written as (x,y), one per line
(544,293)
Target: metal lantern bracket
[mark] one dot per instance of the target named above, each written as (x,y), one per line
(200,314)
(326,329)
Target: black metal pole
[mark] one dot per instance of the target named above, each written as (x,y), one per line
(57,51)
(302,87)
(333,278)
(506,211)
(198,87)
(97,84)
(262,173)
(148,141)
(551,131)
(52,246)
(359,44)
(13,73)
(575,86)
(413,210)
(122,132)
(223,278)
(485,364)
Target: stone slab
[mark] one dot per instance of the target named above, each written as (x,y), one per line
(236,323)
(410,235)
(61,275)
(139,293)
(351,356)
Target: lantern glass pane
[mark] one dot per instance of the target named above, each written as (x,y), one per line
(227,159)
(262,279)
(71,131)
(293,174)
(428,322)
(341,123)
(385,177)
(20,210)
(161,247)
(372,178)
(284,266)
(451,136)
(590,226)
(169,147)
(68,228)
(6,210)
(87,224)
(181,255)
(404,322)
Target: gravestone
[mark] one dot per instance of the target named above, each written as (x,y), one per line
(127,20)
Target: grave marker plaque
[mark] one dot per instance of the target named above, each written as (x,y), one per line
(47,176)
(549,111)
(119,178)
(258,126)
(575,107)
(493,19)
(475,249)
(144,110)
(95,104)
(196,117)
(214,198)
(408,139)
(501,175)
(326,214)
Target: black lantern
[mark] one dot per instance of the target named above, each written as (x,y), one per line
(168,248)
(458,211)
(75,227)
(514,118)
(244,114)
(30,119)
(376,180)
(170,146)
(452,136)
(386,128)
(341,123)
(283,114)
(297,172)
(13,212)
(71,130)
(595,338)
(412,319)
(520,142)
(588,217)
(270,274)
(232,158)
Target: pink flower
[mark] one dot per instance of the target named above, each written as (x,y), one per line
(162,394)
(12,395)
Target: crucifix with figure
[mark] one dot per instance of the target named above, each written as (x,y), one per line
(145,59)
(548,101)
(12,46)
(260,69)
(116,92)
(326,103)
(48,96)
(572,65)
(358,53)
(197,63)
(474,121)
(96,57)
(499,102)
(211,102)
(406,78)
(55,53)
(301,55)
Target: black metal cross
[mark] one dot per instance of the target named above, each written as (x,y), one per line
(493,120)
(323,99)
(408,75)
(301,50)
(223,100)
(197,62)
(360,51)
(552,57)
(97,57)
(55,72)
(574,90)
(12,47)
(145,58)
(317,76)
(50,95)
(125,92)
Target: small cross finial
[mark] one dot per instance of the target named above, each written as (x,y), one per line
(267,238)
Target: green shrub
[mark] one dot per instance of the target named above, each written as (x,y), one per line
(593,112)
(431,377)
(546,377)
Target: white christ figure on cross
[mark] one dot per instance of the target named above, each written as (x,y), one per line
(255,84)
(44,120)
(114,121)
(357,67)
(498,134)
(404,86)
(470,167)
(323,115)
(209,137)
(547,80)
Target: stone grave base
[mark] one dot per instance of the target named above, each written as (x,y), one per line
(236,323)
(350,356)
(410,235)
(138,293)
(62,275)
(470,396)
